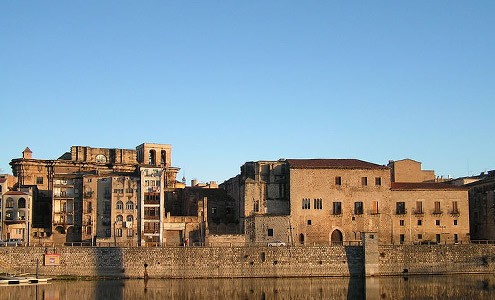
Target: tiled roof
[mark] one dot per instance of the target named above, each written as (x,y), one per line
(425,186)
(332,164)
(27,150)
(13,193)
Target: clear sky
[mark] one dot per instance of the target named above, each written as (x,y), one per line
(227,82)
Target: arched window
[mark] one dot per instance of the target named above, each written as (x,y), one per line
(119,218)
(120,205)
(129,218)
(9,203)
(21,203)
(163,156)
(152,157)
(301,238)
(336,237)
(129,205)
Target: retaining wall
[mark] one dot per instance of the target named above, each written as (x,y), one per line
(225,262)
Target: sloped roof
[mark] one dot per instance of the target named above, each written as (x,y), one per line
(425,186)
(13,193)
(332,164)
(27,150)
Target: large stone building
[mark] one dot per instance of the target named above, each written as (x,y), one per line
(106,196)
(322,201)
(482,206)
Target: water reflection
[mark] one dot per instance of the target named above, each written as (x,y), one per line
(414,287)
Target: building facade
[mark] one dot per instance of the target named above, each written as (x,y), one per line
(102,196)
(325,201)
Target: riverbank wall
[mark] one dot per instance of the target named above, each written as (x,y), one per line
(238,262)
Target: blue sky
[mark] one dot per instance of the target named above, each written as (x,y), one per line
(227,82)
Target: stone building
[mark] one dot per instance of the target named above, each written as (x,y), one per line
(482,207)
(16,213)
(429,213)
(324,201)
(107,196)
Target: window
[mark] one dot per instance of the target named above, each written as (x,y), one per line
(118,191)
(256,206)
(455,222)
(130,232)
(129,218)
(437,222)
(214,210)
(401,222)
(337,208)
(338,180)
(308,222)
(455,209)
(120,205)
(108,232)
(270,232)
(9,215)
(374,209)
(358,208)
(318,203)
(21,203)
(163,157)
(420,236)
(456,238)
(402,238)
(39,180)
(129,205)
(419,208)
(420,222)
(306,203)
(364,181)
(129,190)
(437,237)
(119,231)
(378,181)
(437,208)
(119,218)
(9,203)
(400,208)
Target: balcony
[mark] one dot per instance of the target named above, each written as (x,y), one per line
(401,211)
(454,212)
(418,212)
(437,212)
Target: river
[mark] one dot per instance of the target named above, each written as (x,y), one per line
(412,287)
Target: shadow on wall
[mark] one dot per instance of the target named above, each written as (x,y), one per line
(355,263)
(109,263)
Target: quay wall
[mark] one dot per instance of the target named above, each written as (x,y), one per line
(238,262)
(187,262)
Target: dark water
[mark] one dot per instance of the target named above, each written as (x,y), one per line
(413,287)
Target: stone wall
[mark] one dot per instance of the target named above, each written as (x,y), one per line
(225,262)
(188,262)
(436,259)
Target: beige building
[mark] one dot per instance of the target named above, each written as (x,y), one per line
(325,201)
(16,217)
(408,170)
(101,195)
(430,213)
